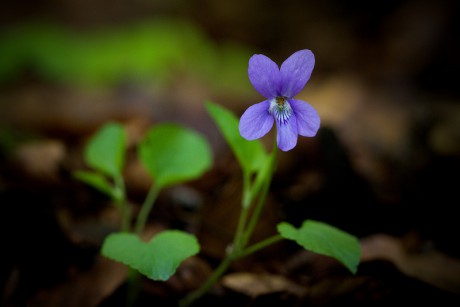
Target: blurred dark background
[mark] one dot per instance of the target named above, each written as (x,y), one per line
(385,161)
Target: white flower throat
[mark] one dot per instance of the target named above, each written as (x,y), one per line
(280,109)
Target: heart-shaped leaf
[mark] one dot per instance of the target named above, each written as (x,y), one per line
(105,151)
(173,154)
(250,154)
(157,259)
(326,240)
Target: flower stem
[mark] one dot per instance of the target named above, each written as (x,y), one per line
(254,217)
(244,229)
(258,209)
(216,274)
(133,287)
(246,202)
(146,208)
(125,211)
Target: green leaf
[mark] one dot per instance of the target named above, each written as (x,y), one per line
(250,154)
(106,149)
(99,182)
(325,239)
(157,259)
(173,154)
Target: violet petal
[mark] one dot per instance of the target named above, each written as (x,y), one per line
(264,75)
(286,136)
(308,120)
(295,72)
(256,121)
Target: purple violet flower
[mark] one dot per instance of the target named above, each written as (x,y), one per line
(279,86)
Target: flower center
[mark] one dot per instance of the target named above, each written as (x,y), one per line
(280,109)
